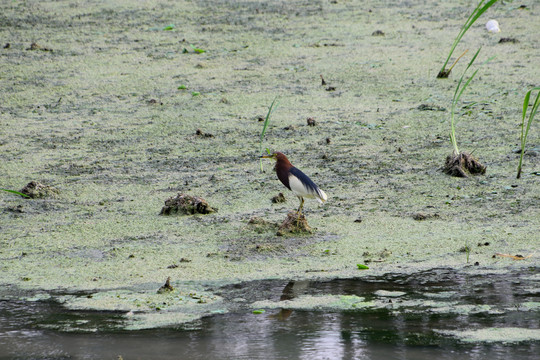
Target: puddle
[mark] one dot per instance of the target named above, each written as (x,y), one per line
(437,314)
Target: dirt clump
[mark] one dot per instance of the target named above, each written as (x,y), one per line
(463,165)
(187,205)
(508,40)
(36,190)
(294,224)
(167,287)
(35,46)
(279,198)
(421,216)
(203,134)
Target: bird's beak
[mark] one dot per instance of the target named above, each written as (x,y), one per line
(266,156)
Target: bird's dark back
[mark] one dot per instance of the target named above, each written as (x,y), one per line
(308,183)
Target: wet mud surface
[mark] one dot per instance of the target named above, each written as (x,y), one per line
(120,106)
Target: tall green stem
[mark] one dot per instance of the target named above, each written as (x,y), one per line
(525,129)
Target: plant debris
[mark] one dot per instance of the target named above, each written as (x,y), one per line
(36,46)
(279,198)
(294,224)
(443,74)
(200,133)
(36,190)
(508,40)
(422,216)
(187,205)
(166,287)
(463,165)
(154,102)
(426,107)
(515,257)
(311,121)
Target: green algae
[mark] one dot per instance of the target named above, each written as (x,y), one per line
(317,303)
(81,118)
(492,335)
(386,293)
(146,309)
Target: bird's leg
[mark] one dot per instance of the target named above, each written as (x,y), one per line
(299,211)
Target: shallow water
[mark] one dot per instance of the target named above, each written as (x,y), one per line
(408,326)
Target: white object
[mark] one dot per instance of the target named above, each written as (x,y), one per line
(301,190)
(493,26)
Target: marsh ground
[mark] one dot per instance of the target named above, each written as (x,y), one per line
(95,110)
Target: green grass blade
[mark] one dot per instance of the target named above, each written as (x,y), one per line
(455,99)
(15,192)
(476,13)
(525,129)
(457,95)
(265,126)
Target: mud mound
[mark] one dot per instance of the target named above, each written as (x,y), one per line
(463,165)
(279,198)
(37,190)
(294,224)
(187,205)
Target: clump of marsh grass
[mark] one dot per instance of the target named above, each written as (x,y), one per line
(461,164)
(525,129)
(477,12)
(265,126)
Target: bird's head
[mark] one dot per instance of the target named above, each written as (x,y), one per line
(278,156)
(281,160)
(270,156)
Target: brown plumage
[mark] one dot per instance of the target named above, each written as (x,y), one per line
(295,180)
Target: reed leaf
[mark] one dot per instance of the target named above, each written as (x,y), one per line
(525,129)
(477,12)
(15,192)
(265,126)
